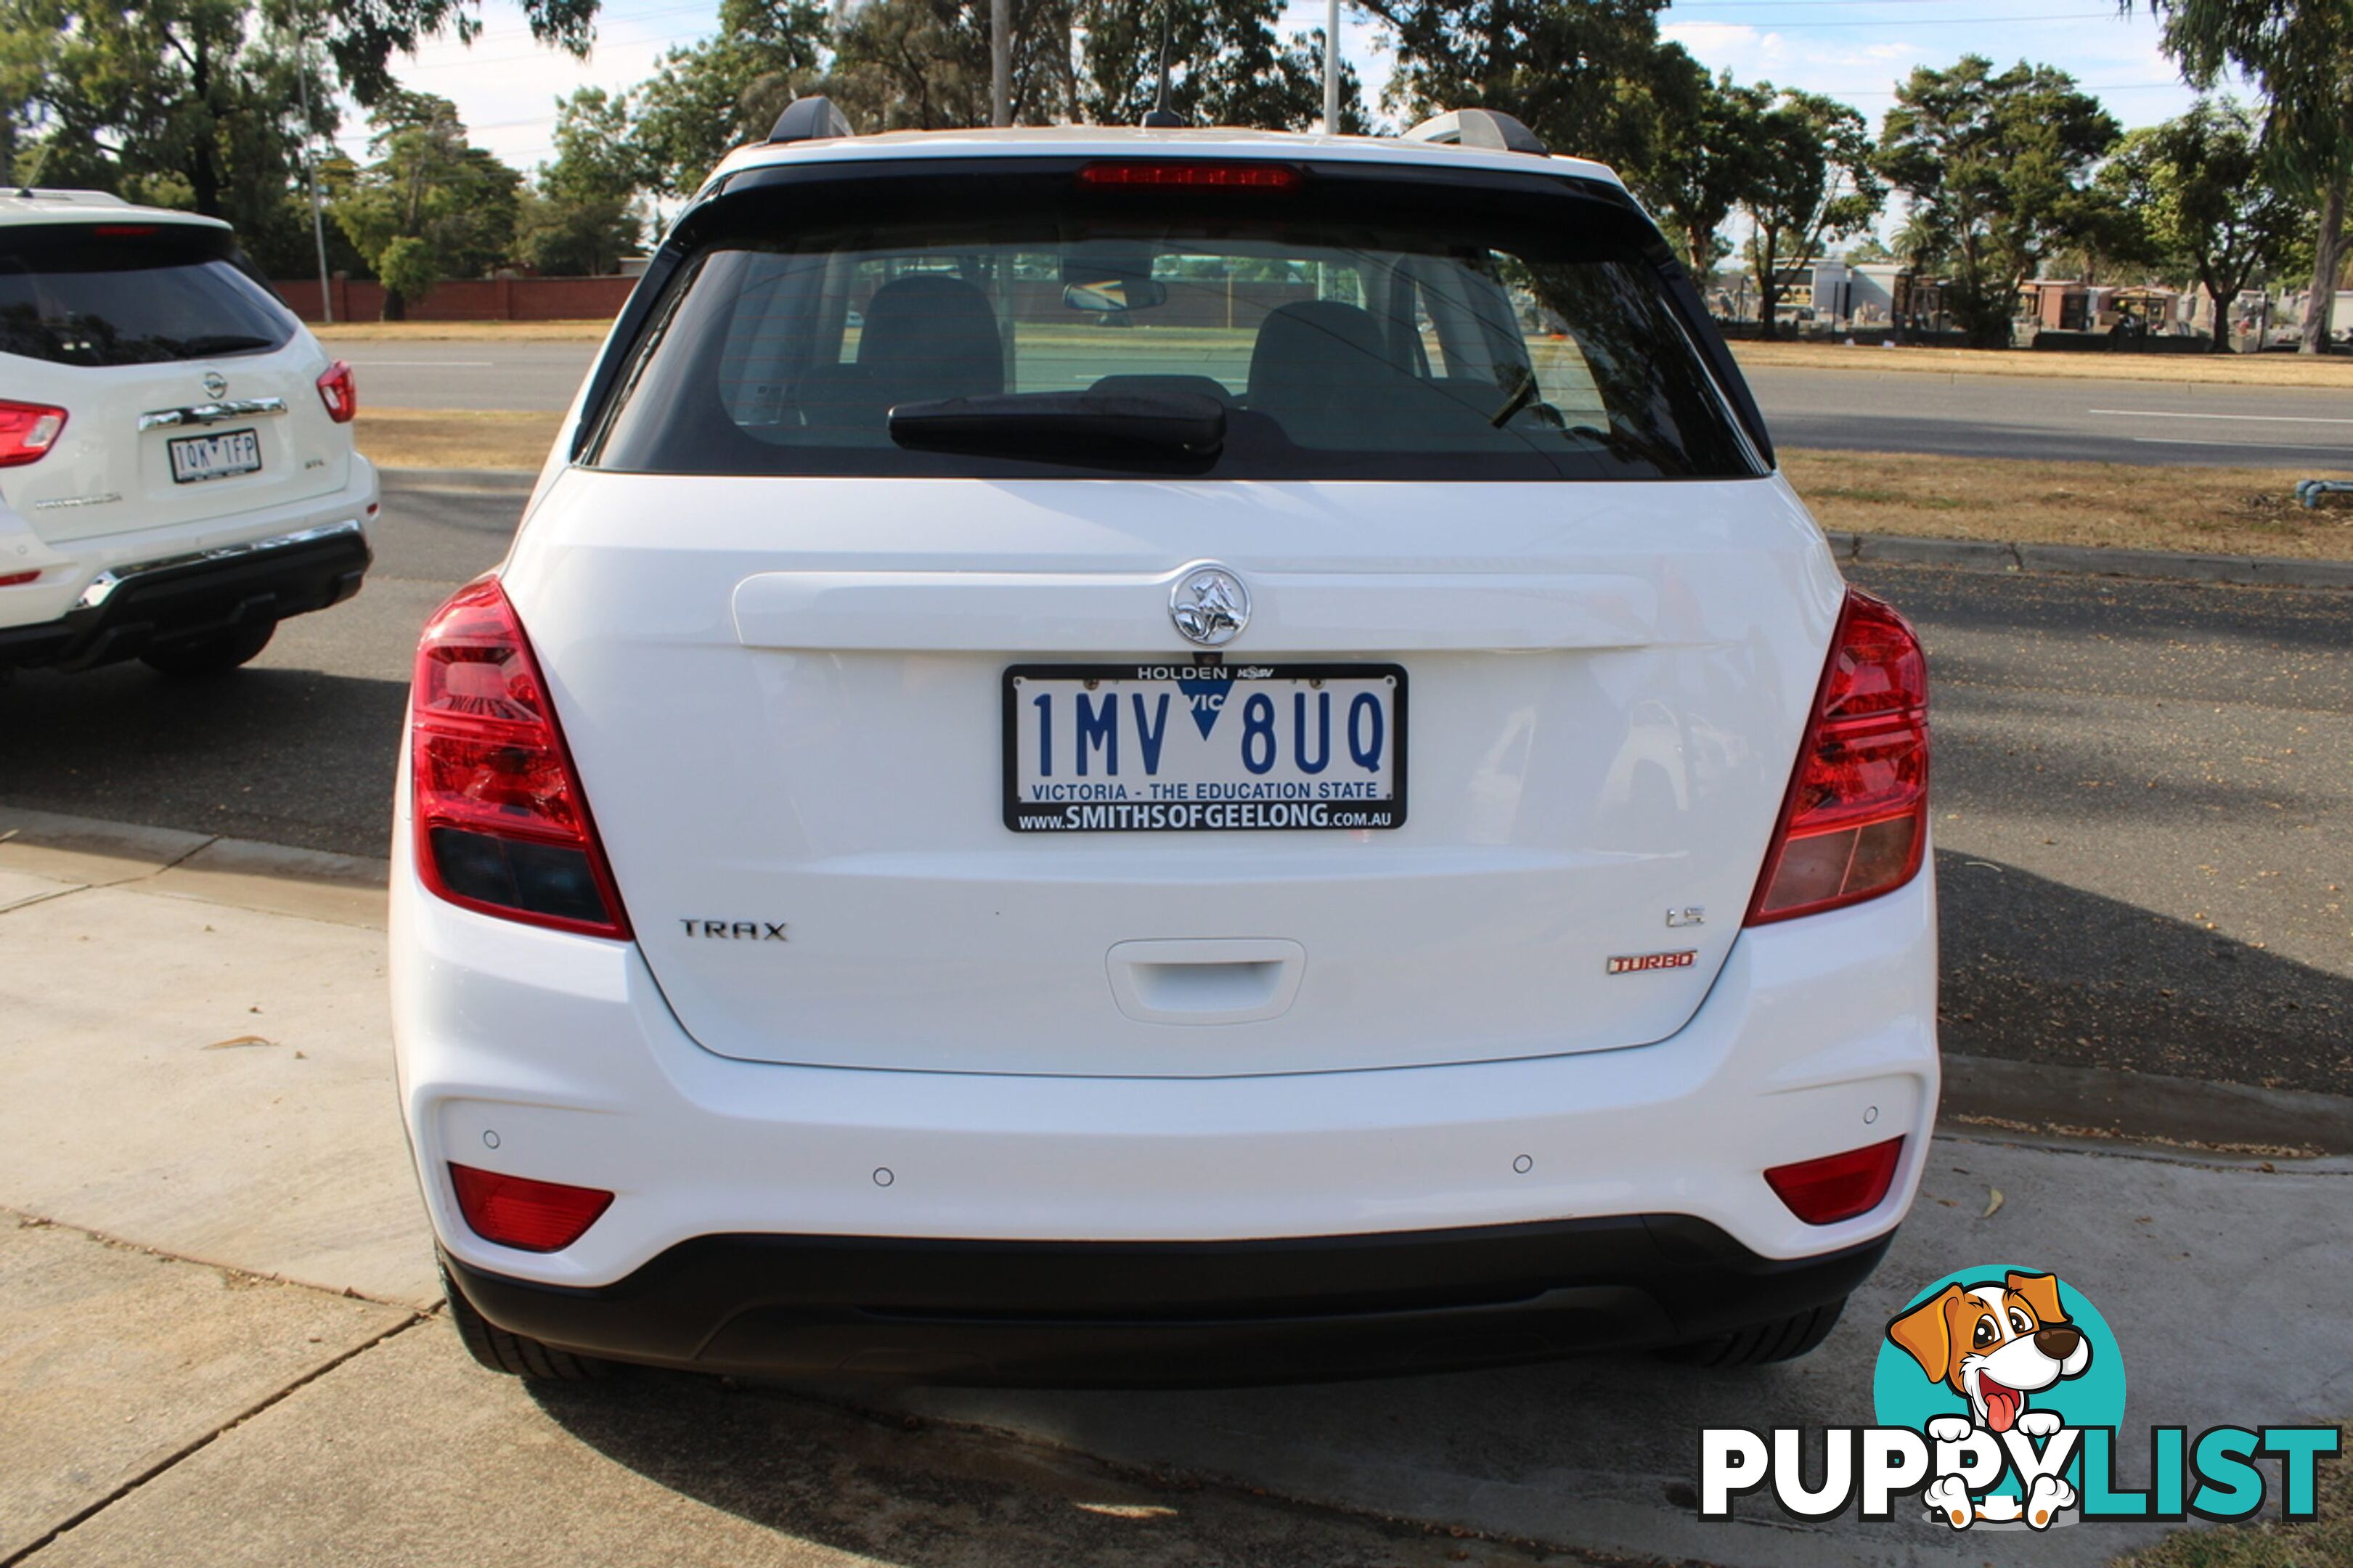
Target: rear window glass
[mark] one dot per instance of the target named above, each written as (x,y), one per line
(71,295)
(1503,339)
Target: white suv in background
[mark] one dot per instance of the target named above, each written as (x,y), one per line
(176,471)
(1213,755)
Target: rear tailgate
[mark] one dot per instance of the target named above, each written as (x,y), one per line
(190,393)
(791,717)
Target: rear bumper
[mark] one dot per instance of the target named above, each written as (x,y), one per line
(111,597)
(1171,1313)
(128,609)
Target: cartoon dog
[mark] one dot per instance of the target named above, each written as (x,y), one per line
(1994,1345)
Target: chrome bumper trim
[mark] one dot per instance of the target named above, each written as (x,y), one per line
(212,413)
(102,587)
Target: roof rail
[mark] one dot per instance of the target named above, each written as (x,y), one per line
(1484,128)
(812,119)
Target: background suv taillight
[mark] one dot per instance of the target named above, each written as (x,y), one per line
(28,431)
(339,392)
(502,826)
(1856,821)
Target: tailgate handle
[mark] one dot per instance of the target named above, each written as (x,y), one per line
(1220,980)
(211,413)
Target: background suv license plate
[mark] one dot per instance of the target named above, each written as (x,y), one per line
(198,457)
(1173,746)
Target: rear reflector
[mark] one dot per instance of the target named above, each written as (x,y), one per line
(1838,1186)
(528,1216)
(1855,823)
(16,579)
(339,392)
(501,824)
(1157,175)
(28,431)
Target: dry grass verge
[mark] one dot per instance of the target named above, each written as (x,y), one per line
(2225,511)
(450,438)
(462,331)
(2236,512)
(2210,370)
(2325,1541)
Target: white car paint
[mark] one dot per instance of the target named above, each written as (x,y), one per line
(944,1046)
(103,499)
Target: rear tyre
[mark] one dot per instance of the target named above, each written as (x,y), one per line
(1760,1345)
(213,655)
(514,1355)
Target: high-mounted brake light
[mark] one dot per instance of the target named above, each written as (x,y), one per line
(1855,823)
(1838,1186)
(339,392)
(122,230)
(1156,175)
(28,431)
(500,823)
(528,1216)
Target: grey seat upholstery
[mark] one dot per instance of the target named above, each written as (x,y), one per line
(929,336)
(1319,368)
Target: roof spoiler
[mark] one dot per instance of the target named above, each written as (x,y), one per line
(812,119)
(1488,129)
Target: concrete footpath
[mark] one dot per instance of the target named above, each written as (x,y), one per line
(219,1341)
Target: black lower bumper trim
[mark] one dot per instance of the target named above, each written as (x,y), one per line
(197,599)
(1134,1313)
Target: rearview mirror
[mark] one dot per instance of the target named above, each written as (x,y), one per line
(1115,294)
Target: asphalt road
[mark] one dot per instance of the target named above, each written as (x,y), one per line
(2135,422)
(2141,788)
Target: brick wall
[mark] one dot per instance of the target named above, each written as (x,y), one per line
(470,299)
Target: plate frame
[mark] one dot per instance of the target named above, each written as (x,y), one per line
(1125,669)
(178,441)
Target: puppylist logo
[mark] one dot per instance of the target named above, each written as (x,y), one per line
(1998,1395)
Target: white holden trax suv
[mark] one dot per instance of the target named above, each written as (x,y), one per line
(1121,755)
(177,472)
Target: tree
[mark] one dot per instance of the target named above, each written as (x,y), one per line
(1997,167)
(178,101)
(1817,183)
(1227,66)
(1713,157)
(429,183)
(716,95)
(2299,53)
(1592,78)
(408,268)
(2210,206)
(582,217)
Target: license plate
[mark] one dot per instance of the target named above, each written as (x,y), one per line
(1173,746)
(196,457)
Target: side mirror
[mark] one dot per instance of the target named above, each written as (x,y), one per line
(1115,294)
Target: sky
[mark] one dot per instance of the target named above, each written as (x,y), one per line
(505,85)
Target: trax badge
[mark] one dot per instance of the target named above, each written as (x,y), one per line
(736,930)
(1639,962)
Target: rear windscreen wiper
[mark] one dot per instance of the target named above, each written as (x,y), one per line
(1066,427)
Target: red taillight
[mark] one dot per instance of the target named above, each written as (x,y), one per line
(1156,175)
(1856,820)
(1838,1186)
(501,824)
(528,1216)
(339,392)
(28,431)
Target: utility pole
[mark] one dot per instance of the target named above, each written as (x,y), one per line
(1000,62)
(1332,69)
(311,173)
